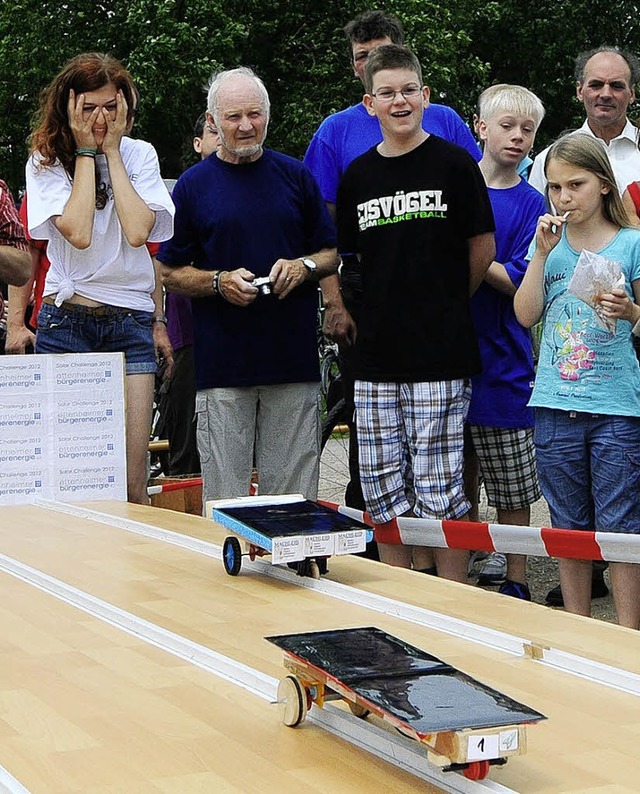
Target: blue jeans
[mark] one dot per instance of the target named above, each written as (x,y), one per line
(72,328)
(589,469)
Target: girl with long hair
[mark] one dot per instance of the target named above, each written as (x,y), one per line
(587,387)
(97,197)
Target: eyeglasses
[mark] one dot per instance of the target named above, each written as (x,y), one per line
(388,94)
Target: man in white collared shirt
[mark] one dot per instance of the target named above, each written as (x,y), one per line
(605,84)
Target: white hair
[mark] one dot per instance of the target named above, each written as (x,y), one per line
(217,78)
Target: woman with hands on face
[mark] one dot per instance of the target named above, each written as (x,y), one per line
(96,196)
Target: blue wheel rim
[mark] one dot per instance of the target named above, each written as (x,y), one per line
(229,556)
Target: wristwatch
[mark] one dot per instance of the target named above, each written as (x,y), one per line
(309,264)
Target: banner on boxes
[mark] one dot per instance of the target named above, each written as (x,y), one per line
(62,428)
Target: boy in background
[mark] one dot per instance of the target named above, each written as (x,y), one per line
(499,423)
(414,210)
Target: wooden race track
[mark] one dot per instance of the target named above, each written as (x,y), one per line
(89,708)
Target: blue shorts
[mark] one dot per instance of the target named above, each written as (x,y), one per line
(73,328)
(589,469)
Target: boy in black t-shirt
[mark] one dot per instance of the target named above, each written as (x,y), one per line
(415,211)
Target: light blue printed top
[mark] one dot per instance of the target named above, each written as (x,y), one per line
(581,366)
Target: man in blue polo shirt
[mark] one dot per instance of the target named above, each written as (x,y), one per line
(345,135)
(243,215)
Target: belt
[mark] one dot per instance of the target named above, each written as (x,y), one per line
(93,311)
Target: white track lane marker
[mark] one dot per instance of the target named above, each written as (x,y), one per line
(564,661)
(358,732)
(9,785)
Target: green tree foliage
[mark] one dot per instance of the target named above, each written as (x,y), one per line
(172,47)
(536,44)
(299,49)
(301,52)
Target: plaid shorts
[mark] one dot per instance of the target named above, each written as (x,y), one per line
(410,442)
(507,461)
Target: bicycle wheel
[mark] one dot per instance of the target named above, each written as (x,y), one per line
(334,459)
(330,378)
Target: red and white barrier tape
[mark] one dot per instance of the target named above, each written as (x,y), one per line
(174,485)
(194,482)
(505,538)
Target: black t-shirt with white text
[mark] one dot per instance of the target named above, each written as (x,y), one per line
(409,218)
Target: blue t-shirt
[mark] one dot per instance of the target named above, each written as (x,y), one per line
(230,216)
(502,390)
(346,135)
(583,367)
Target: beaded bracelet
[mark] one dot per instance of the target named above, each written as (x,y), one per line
(215,283)
(86,152)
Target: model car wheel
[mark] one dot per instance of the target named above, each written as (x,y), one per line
(232,556)
(292,699)
(477,770)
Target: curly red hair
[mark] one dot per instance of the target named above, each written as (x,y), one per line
(90,71)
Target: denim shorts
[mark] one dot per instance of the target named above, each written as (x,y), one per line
(73,328)
(589,469)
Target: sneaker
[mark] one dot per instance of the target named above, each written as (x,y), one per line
(494,570)
(515,589)
(599,589)
(475,558)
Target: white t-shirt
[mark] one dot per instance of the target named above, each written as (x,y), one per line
(624,156)
(110,271)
